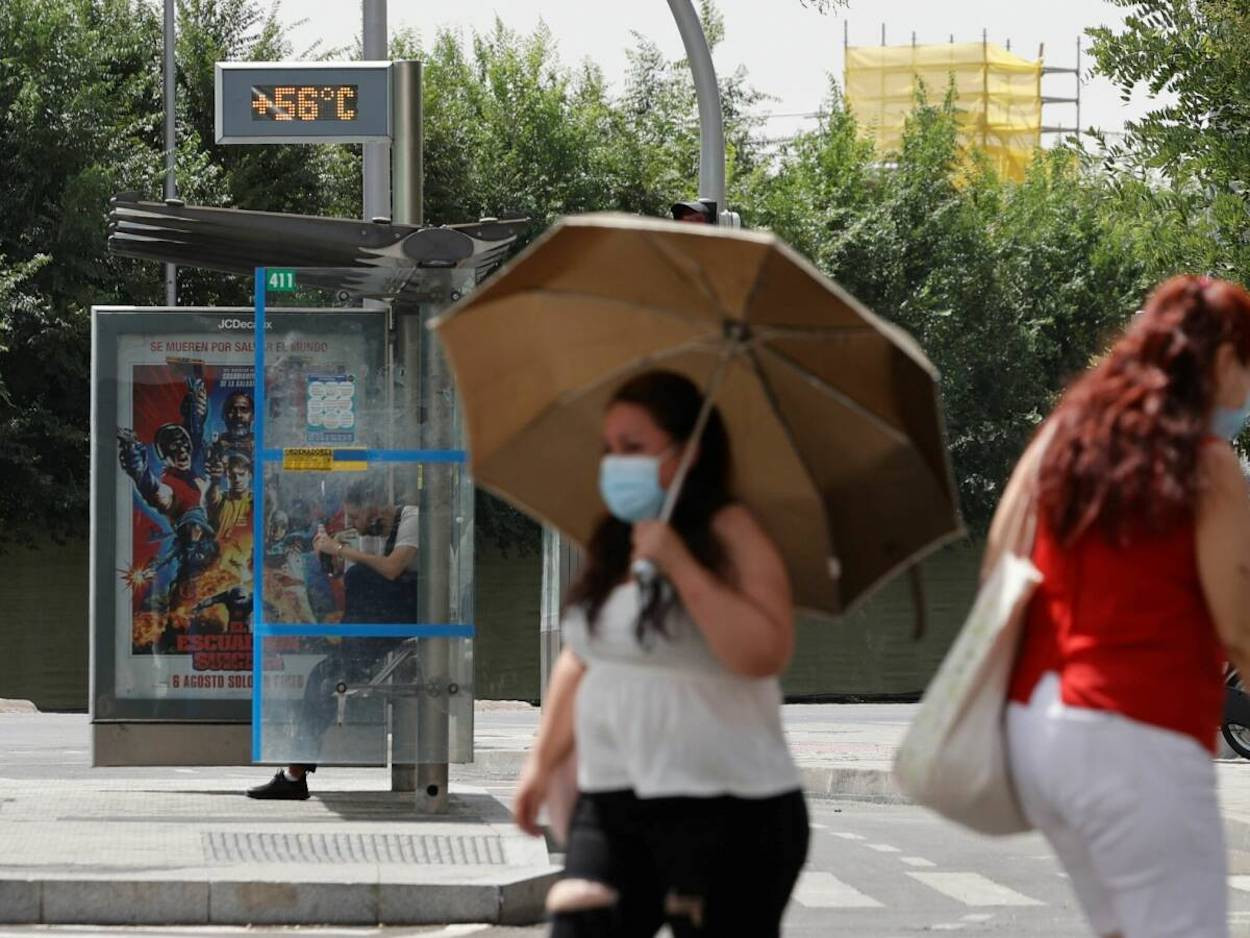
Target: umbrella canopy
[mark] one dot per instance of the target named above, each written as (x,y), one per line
(833,414)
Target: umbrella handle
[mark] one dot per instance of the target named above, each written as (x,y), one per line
(650,583)
(644,572)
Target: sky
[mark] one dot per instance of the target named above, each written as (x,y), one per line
(788,50)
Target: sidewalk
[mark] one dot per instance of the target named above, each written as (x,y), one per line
(842,750)
(183,846)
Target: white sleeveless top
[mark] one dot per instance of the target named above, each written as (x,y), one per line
(666,718)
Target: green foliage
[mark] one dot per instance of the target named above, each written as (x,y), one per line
(511,131)
(1010,288)
(1193,53)
(80,120)
(79,116)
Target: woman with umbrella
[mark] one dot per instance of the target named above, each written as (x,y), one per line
(840,478)
(1143,542)
(690,808)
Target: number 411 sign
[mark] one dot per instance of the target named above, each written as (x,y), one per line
(280,280)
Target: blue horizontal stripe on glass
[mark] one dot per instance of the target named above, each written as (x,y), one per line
(382,455)
(366,630)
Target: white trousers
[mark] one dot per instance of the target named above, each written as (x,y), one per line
(1130,809)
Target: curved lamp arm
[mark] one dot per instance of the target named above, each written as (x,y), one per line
(711,121)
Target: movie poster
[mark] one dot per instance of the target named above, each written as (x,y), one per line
(186,451)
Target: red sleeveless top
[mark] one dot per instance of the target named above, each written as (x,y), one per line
(1127,629)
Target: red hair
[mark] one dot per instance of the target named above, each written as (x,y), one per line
(1124,453)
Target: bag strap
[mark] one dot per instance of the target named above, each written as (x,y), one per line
(1029,534)
(394,535)
(1017,511)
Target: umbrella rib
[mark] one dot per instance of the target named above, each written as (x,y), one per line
(788,430)
(808,332)
(703,282)
(914,558)
(830,391)
(569,397)
(595,298)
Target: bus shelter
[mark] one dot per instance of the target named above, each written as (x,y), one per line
(225,441)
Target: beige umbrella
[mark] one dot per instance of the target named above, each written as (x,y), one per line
(833,414)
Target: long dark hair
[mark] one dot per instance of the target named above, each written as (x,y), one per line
(1124,454)
(673,402)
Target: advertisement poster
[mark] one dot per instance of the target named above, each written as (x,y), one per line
(186,451)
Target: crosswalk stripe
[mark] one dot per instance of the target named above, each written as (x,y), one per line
(847,835)
(972,889)
(1240,882)
(917,861)
(825,891)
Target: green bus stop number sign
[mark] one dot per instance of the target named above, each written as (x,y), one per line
(280,280)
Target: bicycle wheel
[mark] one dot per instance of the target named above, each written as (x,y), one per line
(1237,737)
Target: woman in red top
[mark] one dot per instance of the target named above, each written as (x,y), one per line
(1143,541)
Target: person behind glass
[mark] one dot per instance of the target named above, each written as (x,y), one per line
(378,588)
(690,809)
(1143,541)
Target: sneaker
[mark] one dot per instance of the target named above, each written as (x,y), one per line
(281,788)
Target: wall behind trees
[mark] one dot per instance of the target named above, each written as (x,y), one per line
(870,653)
(44,597)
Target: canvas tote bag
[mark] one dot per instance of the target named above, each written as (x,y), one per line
(953,758)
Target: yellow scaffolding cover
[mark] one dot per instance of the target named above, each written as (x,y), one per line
(998,95)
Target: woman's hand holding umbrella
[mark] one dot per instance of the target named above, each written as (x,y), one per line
(657,542)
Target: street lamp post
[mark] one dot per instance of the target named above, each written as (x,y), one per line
(707,91)
(171,140)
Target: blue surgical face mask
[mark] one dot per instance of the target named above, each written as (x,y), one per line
(1228,422)
(630,486)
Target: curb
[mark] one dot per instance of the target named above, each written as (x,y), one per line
(860,784)
(867,783)
(511,899)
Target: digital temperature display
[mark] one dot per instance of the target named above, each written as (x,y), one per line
(305,102)
(302,102)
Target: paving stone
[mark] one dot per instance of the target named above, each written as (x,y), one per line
(292,903)
(523,901)
(124,902)
(19,902)
(436,903)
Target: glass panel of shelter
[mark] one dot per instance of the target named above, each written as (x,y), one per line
(337,642)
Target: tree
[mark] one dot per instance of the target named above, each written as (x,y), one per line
(1192,52)
(80,91)
(510,130)
(982,271)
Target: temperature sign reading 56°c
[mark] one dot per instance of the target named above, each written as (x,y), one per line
(303,102)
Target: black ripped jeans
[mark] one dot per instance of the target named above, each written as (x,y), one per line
(710,867)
